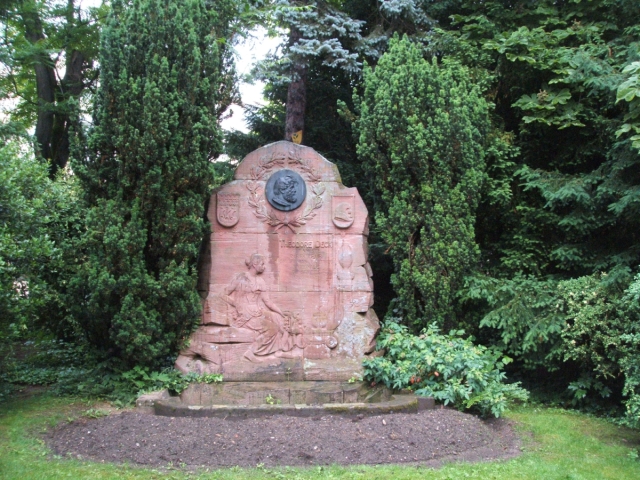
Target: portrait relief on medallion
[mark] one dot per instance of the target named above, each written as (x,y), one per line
(285,190)
(228,209)
(343,210)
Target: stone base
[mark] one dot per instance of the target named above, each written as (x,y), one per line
(146,403)
(256,399)
(281,393)
(397,403)
(271,369)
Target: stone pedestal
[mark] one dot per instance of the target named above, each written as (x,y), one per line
(286,286)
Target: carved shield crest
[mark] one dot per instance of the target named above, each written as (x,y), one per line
(228,209)
(343,210)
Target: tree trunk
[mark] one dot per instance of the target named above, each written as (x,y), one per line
(45,85)
(297,94)
(70,86)
(54,120)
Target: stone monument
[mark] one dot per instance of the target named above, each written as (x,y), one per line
(286,287)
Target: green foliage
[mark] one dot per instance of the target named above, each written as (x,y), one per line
(325,32)
(39,228)
(561,203)
(447,367)
(140,380)
(147,174)
(123,388)
(630,355)
(525,314)
(25,244)
(421,135)
(593,327)
(45,362)
(47,71)
(554,72)
(74,369)
(585,329)
(629,91)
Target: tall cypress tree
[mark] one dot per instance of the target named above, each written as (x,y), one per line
(421,133)
(147,173)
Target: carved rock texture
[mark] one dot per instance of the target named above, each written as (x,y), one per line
(286,295)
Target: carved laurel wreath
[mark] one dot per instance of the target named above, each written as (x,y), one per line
(265,165)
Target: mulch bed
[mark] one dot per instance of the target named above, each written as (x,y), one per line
(429,437)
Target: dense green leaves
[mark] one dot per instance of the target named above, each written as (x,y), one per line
(629,91)
(39,233)
(421,136)
(147,173)
(447,367)
(39,220)
(25,243)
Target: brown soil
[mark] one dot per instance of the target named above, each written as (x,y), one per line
(430,437)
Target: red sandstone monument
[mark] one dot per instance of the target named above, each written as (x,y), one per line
(286,287)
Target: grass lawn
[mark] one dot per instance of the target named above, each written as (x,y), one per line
(558,445)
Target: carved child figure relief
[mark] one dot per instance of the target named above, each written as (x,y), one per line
(299,307)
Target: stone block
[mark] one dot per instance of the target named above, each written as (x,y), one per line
(287,285)
(146,403)
(426,403)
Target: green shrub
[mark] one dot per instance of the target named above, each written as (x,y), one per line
(585,331)
(522,316)
(630,362)
(39,229)
(25,244)
(69,369)
(447,367)
(422,128)
(123,388)
(164,80)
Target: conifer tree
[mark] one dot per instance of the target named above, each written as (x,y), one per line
(421,132)
(318,30)
(147,173)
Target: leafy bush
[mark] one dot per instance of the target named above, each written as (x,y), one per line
(523,316)
(630,362)
(74,369)
(587,329)
(422,129)
(591,337)
(39,229)
(447,367)
(123,388)
(25,246)
(164,81)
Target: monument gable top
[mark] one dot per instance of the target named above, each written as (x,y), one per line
(259,164)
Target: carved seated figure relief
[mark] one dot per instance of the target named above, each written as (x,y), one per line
(252,308)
